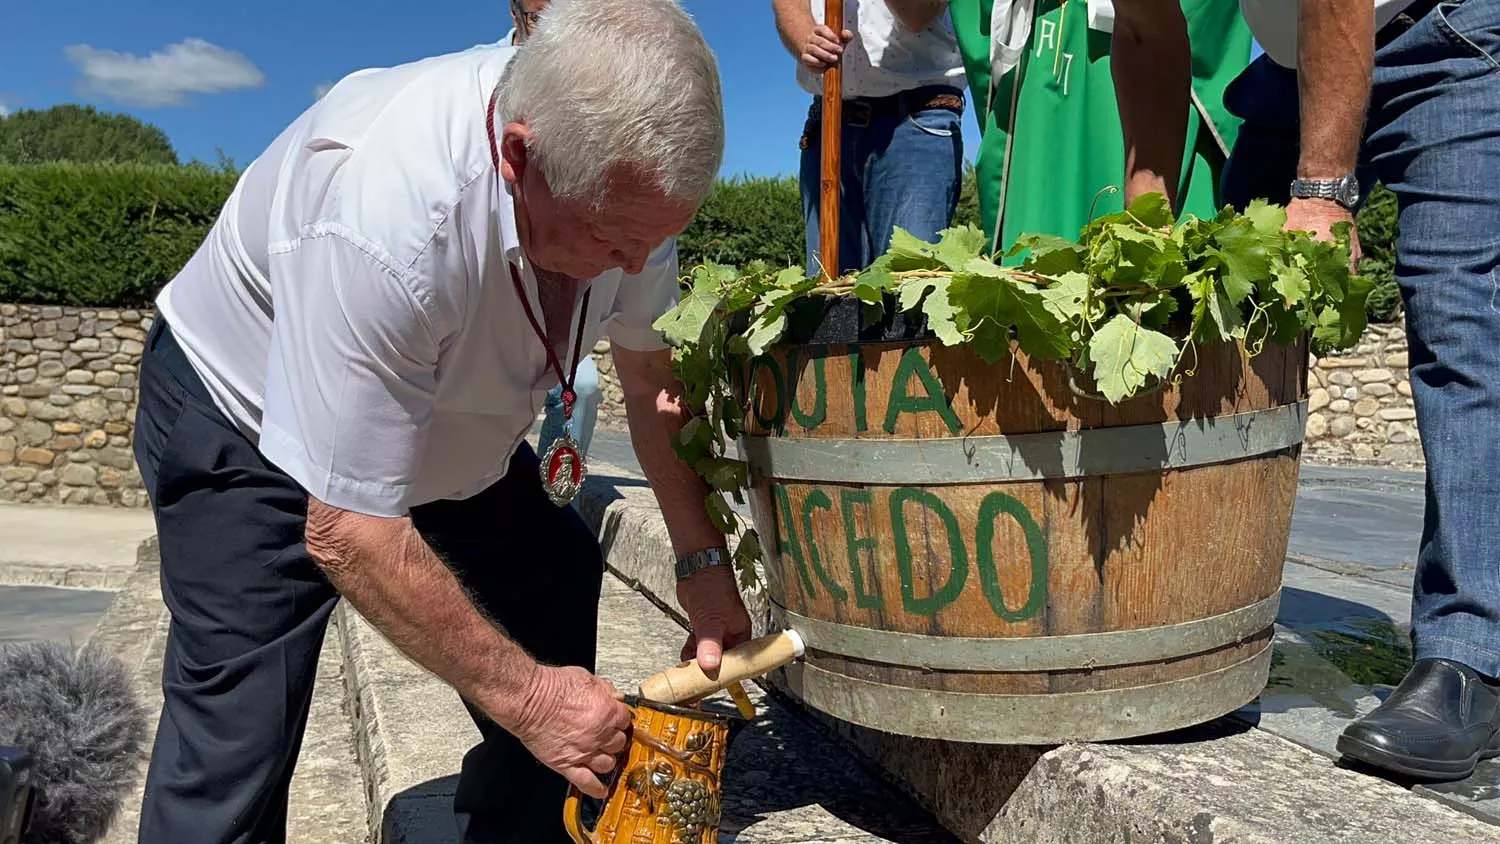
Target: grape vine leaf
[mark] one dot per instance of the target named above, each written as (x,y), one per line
(1245,254)
(1124,355)
(724,473)
(721,514)
(1050,256)
(1067,297)
(992,301)
(871,285)
(958,246)
(907,252)
(1215,318)
(1265,217)
(684,323)
(1153,211)
(941,315)
(768,327)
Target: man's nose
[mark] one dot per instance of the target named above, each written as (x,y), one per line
(633,261)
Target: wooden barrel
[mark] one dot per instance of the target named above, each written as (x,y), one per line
(978,553)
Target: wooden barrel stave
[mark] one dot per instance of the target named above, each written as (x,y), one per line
(1123,551)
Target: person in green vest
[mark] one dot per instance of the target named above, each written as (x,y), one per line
(1051,154)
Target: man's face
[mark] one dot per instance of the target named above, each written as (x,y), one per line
(566,237)
(523,13)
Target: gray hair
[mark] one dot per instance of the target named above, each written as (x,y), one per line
(618,85)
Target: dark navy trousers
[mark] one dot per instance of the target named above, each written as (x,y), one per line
(249,609)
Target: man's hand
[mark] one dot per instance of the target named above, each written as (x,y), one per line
(574,723)
(822,49)
(1319,216)
(716,614)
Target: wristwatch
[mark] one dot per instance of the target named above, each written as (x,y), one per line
(687,564)
(1343,190)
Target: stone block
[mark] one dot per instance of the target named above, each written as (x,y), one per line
(1397,433)
(46,477)
(79,457)
(1364,451)
(29,360)
(119,394)
(131,347)
(35,456)
(119,442)
(78,474)
(93,410)
(1366,407)
(1341,426)
(65,443)
(25,376)
(109,478)
(79,376)
(116,428)
(68,323)
(21,330)
(46,328)
(1378,389)
(1397,360)
(23,474)
(1339,406)
(33,391)
(67,428)
(1317,426)
(127,332)
(99,365)
(107,377)
(118,458)
(8,447)
(85,344)
(49,411)
(1398,414)
(1366,376)
(51,312)
(1317,400)
(50,369)
(71,359)
(1404,388)
(50,345)
(81,390)
(35,432)
(96,439)
(12,407)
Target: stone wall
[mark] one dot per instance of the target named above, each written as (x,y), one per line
(68,393)
(1360,405)
(67,404)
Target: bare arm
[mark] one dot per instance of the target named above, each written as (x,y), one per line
(917,15)
(1151,61)
(570,720)
(653,405)
(794,23)
(814,44)
(1335,59)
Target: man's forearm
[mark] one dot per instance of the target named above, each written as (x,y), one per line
(1335,58)
(387,572)
(653,405)
(917,15)
(794,23)
(1151,61)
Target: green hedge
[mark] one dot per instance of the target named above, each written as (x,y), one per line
(107,235)
(101,234)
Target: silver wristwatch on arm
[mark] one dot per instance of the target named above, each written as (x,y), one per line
(1343,190)
(688,564)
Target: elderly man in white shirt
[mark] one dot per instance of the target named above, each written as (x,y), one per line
(336,394)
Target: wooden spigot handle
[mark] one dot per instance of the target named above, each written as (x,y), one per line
(687,682)
(832,145)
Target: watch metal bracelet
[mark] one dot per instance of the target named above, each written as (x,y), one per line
(688,564)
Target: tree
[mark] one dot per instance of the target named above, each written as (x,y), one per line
(81,134)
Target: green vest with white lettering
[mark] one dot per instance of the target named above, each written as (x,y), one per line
(1057,116)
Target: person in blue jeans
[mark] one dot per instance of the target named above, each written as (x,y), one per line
(901,157)
(1407,92)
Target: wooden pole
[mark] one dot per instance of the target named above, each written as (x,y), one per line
(833,122)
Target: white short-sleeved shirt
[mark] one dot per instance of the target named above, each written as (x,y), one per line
(886,57)
(1274,24)
(350,310)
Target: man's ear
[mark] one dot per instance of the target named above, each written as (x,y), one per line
(514,157)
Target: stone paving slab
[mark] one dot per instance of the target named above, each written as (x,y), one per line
(1226,782)
(45,613)
(327,803)
(91,542)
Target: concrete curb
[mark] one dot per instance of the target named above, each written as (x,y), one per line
(65,576)
(1223,782)
(411,731)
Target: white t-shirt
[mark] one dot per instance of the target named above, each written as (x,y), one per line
(1274,24)
(885,56)
(350,309)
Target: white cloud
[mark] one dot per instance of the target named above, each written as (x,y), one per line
(4,109)
(192,66)
(321,89)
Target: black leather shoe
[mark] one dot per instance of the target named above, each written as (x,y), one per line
(1437,725)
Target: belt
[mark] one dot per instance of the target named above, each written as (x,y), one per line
(859,111)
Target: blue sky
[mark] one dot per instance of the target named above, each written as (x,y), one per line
(230,75)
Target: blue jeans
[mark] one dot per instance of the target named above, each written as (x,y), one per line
(1433,138)
(585,409)
(899,167)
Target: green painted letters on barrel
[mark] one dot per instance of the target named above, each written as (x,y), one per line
(958,571)
(994,505)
